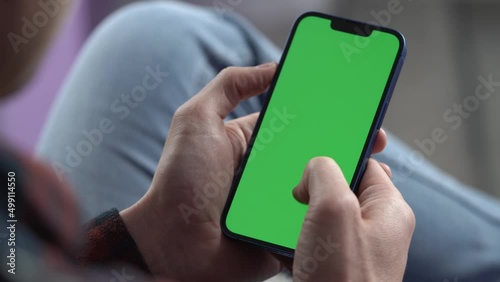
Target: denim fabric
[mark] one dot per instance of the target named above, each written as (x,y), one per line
(107,129)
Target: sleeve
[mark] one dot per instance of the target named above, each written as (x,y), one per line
(107,240)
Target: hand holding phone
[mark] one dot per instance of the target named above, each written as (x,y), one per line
(346,238)
(176,224)
(328,98)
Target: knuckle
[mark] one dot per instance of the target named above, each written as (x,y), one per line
(180,111)
(410,218)
(339,206)
(348,204)
(228,73)
(403,214)
(229,82)
(191,111)
(183,112)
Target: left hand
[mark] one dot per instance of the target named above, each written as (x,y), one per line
(182,209)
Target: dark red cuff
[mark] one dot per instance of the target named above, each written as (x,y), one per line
(107,240)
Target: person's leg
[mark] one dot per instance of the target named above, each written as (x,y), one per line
(107,129)
(457,236)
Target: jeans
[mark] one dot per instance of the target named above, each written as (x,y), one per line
(107,129)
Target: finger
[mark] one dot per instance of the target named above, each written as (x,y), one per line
(375,182)
(239,132)
(323,182)
(380,142)
(245,125)
(381,200)
(387,169)
(332,209)
(231,86)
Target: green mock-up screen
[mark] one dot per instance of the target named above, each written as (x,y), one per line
(323,104)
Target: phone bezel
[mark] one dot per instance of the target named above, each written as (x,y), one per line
(366,152)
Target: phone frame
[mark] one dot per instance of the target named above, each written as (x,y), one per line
(344,25)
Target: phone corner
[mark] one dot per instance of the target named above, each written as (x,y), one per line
(403,46)
(224,227)
(402,42)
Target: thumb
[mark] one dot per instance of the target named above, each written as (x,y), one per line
(324,184)
(231,86)
(332,208)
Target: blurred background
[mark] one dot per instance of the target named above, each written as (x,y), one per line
(450,45)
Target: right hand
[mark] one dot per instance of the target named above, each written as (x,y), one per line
(349,238)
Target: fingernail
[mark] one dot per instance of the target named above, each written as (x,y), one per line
(266,65)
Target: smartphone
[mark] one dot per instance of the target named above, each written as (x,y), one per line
(328,98)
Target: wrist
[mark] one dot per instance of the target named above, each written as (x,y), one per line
(146,228)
